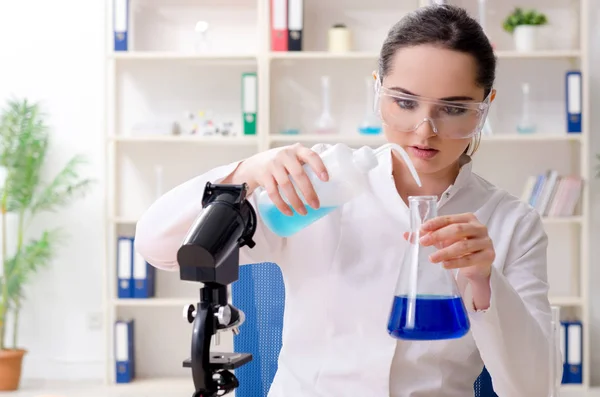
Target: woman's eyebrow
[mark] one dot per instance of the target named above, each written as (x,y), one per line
(449,99)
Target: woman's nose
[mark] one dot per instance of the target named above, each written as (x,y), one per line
(426,128)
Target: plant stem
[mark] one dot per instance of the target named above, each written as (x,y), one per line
(4,305)
(17,301)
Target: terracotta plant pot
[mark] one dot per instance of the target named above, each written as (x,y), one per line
(10,369)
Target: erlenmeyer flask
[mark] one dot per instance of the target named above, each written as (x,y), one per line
(427,304)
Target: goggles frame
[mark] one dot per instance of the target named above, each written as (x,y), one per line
(482,106)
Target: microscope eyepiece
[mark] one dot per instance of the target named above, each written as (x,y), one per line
(226,223)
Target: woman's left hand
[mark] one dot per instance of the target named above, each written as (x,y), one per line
(463,242)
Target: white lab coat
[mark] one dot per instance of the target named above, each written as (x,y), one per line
(340,275)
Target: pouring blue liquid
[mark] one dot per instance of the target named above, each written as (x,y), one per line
(286,225)
(435,317)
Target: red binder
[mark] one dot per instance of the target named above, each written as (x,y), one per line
(279,25)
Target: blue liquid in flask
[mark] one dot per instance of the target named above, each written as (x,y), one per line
(435,317)
(286,225)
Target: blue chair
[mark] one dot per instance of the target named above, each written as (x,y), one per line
(483,385)
(260,294)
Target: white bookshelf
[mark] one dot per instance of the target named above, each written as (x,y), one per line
(160,77)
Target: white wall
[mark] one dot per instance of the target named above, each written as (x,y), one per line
(48,55)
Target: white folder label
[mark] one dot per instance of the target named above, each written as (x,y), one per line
(139,267)
(124,265)
(574,93)
(295,14)
(120,16)
(249,88)
(121,342)
(279,14)
(574,350)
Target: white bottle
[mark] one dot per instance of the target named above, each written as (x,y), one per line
(347,170)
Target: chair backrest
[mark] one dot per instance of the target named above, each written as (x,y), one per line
(260,294)
(483,385)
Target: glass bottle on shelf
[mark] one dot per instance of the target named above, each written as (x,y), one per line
(427,304)
(325,123)
(526,124)
(202,44)
(371,124)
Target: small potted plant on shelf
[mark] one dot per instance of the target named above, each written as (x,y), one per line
(24,194)
(524,26)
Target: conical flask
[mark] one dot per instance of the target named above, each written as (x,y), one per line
(427,304)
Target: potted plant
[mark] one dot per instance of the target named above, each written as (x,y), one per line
(24,194)
(524,25)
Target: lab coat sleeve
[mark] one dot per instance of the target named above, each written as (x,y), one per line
(514,334)
(162,228)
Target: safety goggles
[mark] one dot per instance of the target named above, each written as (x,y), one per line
(449,119)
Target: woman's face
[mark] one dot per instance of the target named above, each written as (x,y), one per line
(436,73)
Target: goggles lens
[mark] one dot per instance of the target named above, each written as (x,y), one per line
(454,120)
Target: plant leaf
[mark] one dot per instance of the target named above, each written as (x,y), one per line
(34,255)
(23,147)
(65,186)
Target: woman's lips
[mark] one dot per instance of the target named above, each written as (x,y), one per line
(423,152)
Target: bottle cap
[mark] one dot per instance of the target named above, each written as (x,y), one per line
(364,159)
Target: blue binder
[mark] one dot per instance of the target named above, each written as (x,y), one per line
(121,25)
(573,92)
(124,267)
(572,371)
(144,278)
(124,351)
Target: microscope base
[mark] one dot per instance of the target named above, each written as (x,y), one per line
(227,361)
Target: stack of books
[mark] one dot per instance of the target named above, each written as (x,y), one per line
(552,194)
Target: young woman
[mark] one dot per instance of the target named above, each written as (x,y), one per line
(435,81)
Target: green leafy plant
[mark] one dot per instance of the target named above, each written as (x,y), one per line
(24,141)
(521,17)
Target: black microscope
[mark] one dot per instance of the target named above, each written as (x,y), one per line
(210,255)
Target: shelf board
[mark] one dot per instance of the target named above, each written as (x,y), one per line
(562,220)
(379,139)
(547,220)
(175,56)
(539,54)
(179,385)
(535,137)
(366,55)
(574,388)
(207,140)
(154,302)
(174,386)
(154,386)
(121,220)
(182,302)
(566,301)
(334,138)
(374,55)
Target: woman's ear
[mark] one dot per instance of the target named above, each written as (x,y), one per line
(493,96)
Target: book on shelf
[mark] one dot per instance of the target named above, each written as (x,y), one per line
(553,194)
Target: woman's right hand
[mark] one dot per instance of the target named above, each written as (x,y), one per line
(273,169)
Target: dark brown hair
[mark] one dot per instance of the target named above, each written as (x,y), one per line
(446,26)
